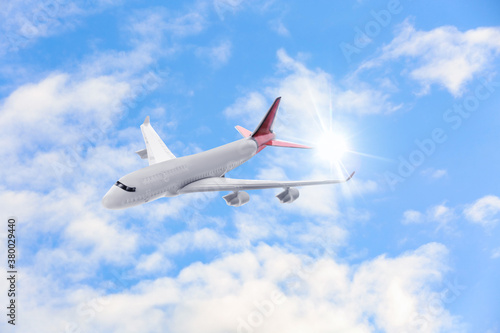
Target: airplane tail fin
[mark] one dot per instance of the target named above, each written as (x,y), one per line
(266,124)
(264,135)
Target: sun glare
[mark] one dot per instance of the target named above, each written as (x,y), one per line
(332,146)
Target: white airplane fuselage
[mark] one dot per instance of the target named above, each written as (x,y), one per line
(165,179)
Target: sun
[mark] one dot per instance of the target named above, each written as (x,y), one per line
(332,146)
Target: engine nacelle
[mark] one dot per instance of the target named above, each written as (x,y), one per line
(237,199)
(289,195)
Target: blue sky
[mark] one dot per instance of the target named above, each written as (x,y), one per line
(409,245)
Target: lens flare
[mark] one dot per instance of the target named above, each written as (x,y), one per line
(332,146)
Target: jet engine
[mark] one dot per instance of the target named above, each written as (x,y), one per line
(289,195)
(237,198)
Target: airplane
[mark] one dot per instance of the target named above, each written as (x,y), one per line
(168,176)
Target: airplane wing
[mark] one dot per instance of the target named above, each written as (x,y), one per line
(156,151)
(228,184)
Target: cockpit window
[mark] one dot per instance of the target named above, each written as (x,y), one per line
(125,187)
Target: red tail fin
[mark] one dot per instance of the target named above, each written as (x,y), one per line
(264,135)
(266,124)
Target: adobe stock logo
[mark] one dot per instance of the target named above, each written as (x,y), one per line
(263,310)
(453,118)
(372,28)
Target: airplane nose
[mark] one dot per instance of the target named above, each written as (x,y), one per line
(110,201)
(106,202)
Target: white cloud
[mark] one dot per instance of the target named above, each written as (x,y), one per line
(153,34)
(440,214)
(495,254)
(23,22)
(56,127)
(273,172)
(73,216)
(314,91)
(39,113)
(112,243)
(317,200)
(360,98)
(268,289)
(412,216)
(220,54)
(280,28)
(153,263)
(308,97)
(53,124)
(365,186)
(324,236)
(257,221)
(435,173)
(444,56)
(224,7)
(153,23)
(248,108)
(484,211)
(217,55)
(203,239)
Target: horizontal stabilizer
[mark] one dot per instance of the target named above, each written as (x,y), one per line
(280,143)
(243,131)
(143,153)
